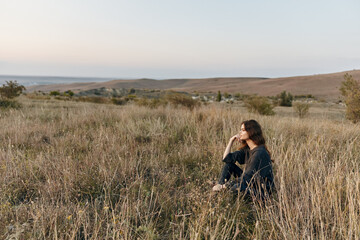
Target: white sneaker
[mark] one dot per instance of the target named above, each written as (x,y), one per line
(218,187)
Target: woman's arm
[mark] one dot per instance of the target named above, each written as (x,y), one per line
(228,147)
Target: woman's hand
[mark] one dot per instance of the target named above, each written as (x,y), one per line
(235,137)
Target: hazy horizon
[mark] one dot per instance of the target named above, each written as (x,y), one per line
(170,39)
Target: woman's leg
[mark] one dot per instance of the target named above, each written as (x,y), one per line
(228,170)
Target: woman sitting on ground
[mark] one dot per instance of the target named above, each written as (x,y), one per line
(257,177)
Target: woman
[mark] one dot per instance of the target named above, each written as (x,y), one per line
(257,177)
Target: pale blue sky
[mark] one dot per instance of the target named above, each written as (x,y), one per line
(173,39)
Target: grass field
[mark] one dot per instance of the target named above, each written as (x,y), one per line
(76,170)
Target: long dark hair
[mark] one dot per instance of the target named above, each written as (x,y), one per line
(253,128)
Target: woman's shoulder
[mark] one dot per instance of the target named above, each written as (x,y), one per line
(261,149)
(243,149)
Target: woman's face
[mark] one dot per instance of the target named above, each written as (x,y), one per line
(243,133)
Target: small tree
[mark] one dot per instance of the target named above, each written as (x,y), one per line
(69,93)
(54,93)
(301,108)
(285,99)
(218,97)
(131,91)
(350,89)
(11,90)
(260,105)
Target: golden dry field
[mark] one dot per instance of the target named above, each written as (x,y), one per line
(78,170)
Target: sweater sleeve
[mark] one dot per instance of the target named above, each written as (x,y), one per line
(237,156)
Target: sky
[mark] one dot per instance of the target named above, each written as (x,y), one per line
(178,39)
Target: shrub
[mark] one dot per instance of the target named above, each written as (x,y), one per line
(301,108)
(241,97)
(54,93)
(285,99)
(130,97)
(237,96)
(118,101)
(350,89)
(5,103)
(69,93)
(302,96)
(181,99)
(11,89)
(218,97)
(260,105)
(227,95)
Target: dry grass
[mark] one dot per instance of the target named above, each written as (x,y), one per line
(74,170)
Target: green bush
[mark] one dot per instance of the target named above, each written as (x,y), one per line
(4,103)
(301,108)
(218,97)
(241,97)
(238,96)
(118,101)
(304,96)
(285,99)
(350,90)
(54,93)
(130,97)
(69,93)
(260,105)
(11,89)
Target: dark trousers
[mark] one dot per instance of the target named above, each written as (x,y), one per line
(229,169)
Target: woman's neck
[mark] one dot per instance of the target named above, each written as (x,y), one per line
(251,144)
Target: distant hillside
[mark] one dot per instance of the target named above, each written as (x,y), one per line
(324,86)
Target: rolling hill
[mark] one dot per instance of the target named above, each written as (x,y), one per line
(325,86)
